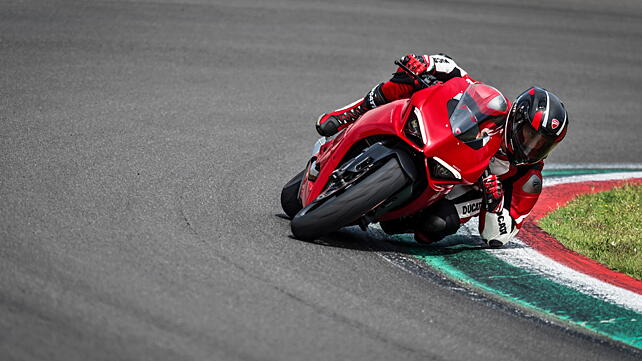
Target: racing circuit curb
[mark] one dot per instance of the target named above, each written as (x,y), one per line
(538,282)
(558,196)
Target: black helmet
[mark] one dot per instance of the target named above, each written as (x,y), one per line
(536,123)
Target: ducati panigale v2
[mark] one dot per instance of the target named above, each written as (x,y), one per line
(397,159)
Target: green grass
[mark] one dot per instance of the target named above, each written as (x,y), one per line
(606,227)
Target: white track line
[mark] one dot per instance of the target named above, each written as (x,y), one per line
(519,254)
(522,255)
(553,166)
(550,181)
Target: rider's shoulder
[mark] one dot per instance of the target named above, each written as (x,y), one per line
(440,58)
(443,55)
(531,181)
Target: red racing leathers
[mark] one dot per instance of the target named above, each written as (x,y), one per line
(521,184)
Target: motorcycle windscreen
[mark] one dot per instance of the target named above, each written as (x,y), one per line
(481,110)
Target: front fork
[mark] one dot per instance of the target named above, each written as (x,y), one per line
(364,163)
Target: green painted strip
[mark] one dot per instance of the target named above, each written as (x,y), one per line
(481,269)
(579,171)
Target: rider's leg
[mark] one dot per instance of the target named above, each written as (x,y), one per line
(430,225)
(330,123)
(441,218)
(437,221)
(446,215)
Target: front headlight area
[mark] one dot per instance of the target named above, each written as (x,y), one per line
(414,128)
(442,171)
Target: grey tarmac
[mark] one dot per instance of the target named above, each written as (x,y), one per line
(143,145)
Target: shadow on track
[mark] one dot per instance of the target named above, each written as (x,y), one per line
(375,240)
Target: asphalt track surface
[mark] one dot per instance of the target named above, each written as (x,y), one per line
(143,146)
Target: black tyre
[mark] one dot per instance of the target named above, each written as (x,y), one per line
(290,195)
(338,211)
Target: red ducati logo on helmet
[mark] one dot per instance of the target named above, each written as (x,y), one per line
(555,123)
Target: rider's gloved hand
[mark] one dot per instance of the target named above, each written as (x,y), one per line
(493,193)
(417,64)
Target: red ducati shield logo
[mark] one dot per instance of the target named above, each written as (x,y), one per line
(555,123)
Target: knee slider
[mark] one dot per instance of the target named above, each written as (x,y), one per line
(439,220)
(433,224)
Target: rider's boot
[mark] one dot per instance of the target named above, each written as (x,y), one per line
(330,123)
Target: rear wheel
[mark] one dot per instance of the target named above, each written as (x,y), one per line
(290,195)
(328,215)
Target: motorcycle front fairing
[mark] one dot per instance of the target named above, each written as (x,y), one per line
(378,121)
(458,131)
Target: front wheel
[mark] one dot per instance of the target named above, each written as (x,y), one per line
(316,219)
(290,195)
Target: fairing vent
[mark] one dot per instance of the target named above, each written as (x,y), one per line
(414,128)
(440,170)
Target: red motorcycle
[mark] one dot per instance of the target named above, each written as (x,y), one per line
(398,158)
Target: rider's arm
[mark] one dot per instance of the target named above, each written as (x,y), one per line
(441,66)
(521,192)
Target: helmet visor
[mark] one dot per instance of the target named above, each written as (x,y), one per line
(532,145)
